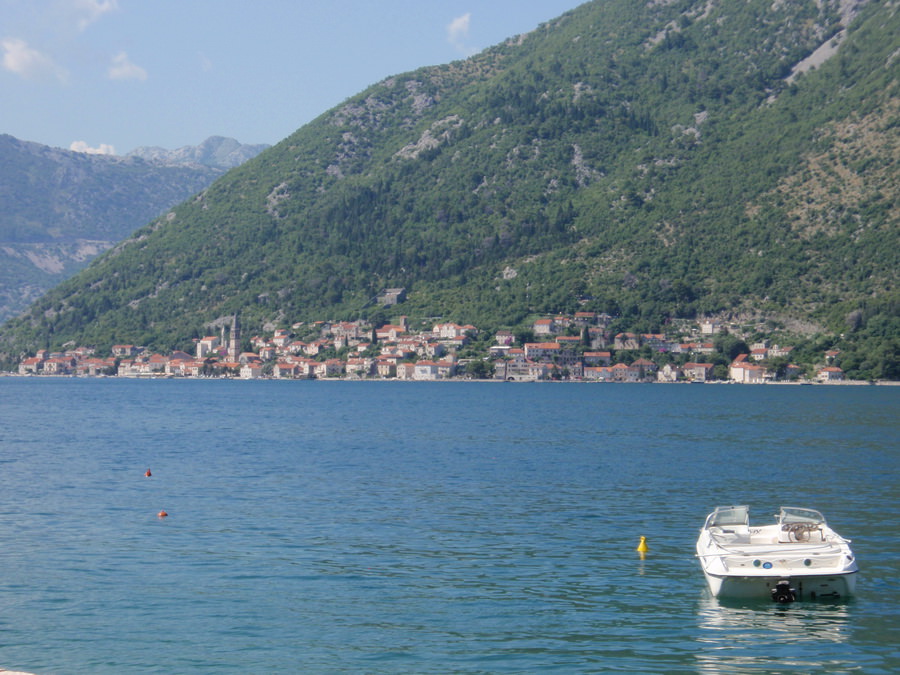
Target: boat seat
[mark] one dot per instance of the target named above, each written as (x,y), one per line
(731,535)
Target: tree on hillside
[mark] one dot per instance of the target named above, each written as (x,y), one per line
(730,346)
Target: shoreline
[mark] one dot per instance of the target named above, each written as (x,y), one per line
(844,383)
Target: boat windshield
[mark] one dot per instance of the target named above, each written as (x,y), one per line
(729,515)
(793,514)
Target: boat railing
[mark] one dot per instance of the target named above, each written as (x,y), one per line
(778,549)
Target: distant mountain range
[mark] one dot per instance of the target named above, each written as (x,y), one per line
(216,152)
(59,209)
(651,160)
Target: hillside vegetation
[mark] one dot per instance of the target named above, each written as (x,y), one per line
(651,160)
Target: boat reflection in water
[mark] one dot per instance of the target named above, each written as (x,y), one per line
(757,636)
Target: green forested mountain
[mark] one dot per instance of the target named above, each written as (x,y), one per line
(648,159)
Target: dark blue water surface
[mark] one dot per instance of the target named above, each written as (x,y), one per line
(328,527)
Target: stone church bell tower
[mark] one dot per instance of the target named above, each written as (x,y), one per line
(234,342)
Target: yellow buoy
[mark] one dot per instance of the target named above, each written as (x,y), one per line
(642,547)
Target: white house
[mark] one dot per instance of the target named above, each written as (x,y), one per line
(426,370)
(830,374)
(251,370)
(207,346)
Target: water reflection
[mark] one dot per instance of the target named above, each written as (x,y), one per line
(745,637)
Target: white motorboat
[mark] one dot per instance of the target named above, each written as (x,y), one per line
(798,557)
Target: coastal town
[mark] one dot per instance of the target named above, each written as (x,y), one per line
(567,347)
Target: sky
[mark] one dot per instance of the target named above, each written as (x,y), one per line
(113,75)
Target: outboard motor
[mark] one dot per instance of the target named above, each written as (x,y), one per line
(783,593)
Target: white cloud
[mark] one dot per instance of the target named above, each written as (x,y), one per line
(102,149)
(458,29)
(122,68)
(28,62)
(89,11)
(458,32)
(59,19)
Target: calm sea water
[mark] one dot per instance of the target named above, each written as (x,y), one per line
(328,527)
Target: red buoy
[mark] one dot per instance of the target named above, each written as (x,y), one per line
(162,514)
(148,474)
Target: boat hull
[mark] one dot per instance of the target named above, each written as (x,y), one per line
(811,587)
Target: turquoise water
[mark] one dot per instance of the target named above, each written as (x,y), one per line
(329,527)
